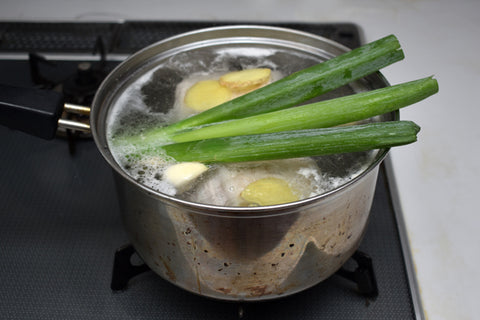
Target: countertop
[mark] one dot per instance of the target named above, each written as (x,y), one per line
(436,176)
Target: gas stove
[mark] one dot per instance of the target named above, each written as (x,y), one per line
(64,253)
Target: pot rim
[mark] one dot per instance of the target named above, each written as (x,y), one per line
(200,35)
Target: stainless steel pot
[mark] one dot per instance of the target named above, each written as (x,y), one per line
(234,253)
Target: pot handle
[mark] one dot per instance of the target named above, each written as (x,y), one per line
(37,112)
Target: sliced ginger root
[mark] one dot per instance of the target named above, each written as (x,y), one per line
(206,94)
(246,80)
(268,191)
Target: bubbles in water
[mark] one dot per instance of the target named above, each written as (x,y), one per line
(156,98)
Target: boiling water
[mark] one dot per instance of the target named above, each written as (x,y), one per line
(155,99)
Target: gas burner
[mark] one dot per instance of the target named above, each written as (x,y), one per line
(81,86)
(78,87)
(362,274)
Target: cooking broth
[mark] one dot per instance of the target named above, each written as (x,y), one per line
(155,99)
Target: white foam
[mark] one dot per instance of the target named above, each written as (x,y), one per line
(223,182)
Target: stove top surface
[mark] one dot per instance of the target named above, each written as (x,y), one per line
(60,224)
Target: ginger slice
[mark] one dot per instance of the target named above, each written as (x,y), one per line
(268,191)
(206,94)
(246,80)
